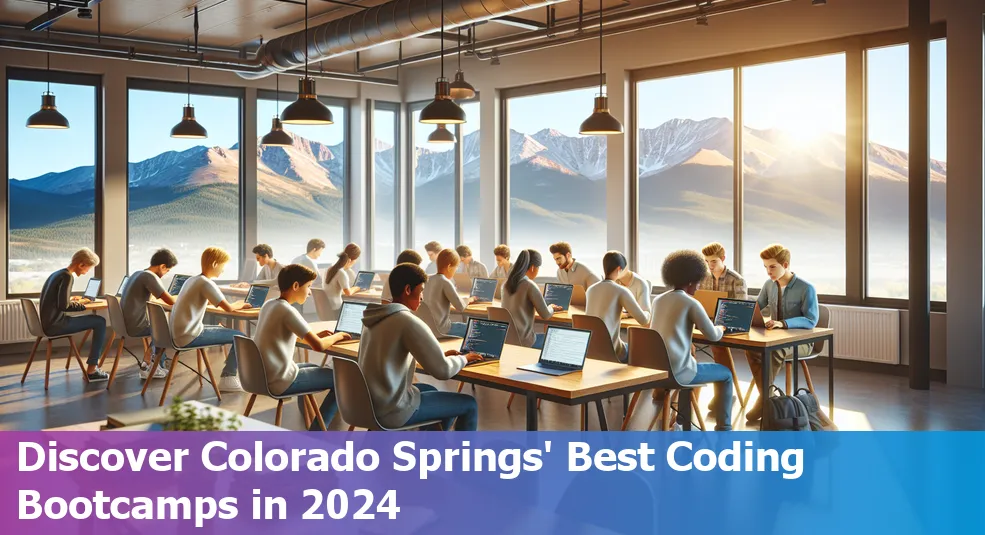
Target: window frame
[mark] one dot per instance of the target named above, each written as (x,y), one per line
(60,77)
(398,178)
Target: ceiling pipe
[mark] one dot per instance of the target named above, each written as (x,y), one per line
(129,40)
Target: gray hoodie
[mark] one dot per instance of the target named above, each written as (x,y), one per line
(392,339)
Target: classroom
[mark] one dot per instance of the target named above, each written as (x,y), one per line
(495,216)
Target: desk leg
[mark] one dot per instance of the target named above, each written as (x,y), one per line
(765,383)
(684,407)
(796,366)
(603,424)
(531,411)
(831,378)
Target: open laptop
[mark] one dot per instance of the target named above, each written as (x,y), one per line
(558,294)
(123,284)
(709,300)
(578,296)
(734,314)
(462,281)
(92,289)
(564,352)
(364,279)
(351,319)
(177,282)
(257,295)
(484,290)
(485,337)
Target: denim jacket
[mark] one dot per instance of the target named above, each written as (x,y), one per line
(800,309)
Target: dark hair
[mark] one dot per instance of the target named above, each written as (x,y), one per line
(351,252)
(409,256)
(295,273)
(561,248)
(526,258)
(164,256)
(682,268)
(314,245)
(264,250)
(463,251)
(611,261)
(405,275)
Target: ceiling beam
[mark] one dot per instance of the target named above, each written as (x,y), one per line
(519,22)
(447,35)
(44,20)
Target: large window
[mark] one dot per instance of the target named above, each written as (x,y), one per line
(471,207)
(183,193)
(793,147)
(51,178)
(887,171)
(434,187)
(301,189)
(385,175)
(557,177)
(685,159)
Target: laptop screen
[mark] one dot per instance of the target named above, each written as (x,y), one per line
(92,289)
(364,279)
(485,337)
(257,295)
(558,294)
(734,314)
(565,347)
(351,318)
(176,283)
(123,284)
(484,290)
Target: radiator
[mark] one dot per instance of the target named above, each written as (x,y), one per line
(13,327)
(867,334)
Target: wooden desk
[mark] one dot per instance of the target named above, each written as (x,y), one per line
(563,318)
(229,289)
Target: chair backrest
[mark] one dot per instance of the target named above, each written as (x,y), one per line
(160,331)
(322,308)
(600,345)
(33,318)
(578,296)
(252,373)
(502,314)
(116,319)
(823,321)
(249,269)
(648,350)
(424,313)
(384,278)
(352,395)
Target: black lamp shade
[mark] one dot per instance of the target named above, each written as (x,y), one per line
(189,128)
(442,110)
(277,136)
(441,134)
(601,122)
(48,116)
(307,109)
(460,89)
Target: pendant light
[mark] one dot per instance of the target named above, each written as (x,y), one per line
(48,116)
(307,109)
(442,110)
(441,134)
(601,122)
(460,89)
(189,128)
(277,137)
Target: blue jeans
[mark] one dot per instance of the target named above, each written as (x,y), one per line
(720,375)
(214,335)
(312,377)
(77,324)
(539,340)
(458,329)
(448,407)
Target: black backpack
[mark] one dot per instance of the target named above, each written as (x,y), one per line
(785,413)
(819,420)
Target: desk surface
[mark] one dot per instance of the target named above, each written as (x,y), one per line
(248,314)
(760,337)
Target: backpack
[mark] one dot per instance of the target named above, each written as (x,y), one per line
(818,420)
(785,413)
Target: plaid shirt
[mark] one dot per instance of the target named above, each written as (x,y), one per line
(730,282)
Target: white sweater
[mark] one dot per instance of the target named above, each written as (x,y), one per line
(522,304)
(607,300)
(441,296)
(674,315)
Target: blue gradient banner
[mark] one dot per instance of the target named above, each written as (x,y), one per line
(436,483)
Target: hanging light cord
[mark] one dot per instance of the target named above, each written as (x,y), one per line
(600,49)
(48,55)
(442,38)
(306,39)
(459,48)
(277,81)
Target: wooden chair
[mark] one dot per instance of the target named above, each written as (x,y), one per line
(36,329)
(118,323)
(160,333)
(253,376)
(355,402)
(599,348)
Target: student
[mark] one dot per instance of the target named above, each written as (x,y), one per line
(721,279)
(407,256)
(608,299)
(432,248)
(394,342)
(638,286)
(349,271)
(503,265)
(278,329)
(441,295)
(675,314)
(569,270)
(469,265)
(337,281)
(56,301)
(522,297)
(310,259)
(791,303)
(269,268)
(140,288)
(189,309)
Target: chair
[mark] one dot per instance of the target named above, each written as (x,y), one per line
(355,403)
(322,308)
(253,376)
(160,333)
(647,350)
(36,329)
(512,338)
(118,323)
(599,346)
(823,321)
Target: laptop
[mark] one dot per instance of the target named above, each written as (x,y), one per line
(177,282)
(364,279)
(485,337)
(462,281)
(351,319)
(123,284)
(564,352)
(484,290)
(709,300)
(558,294)
(92,289)
(578,296)
(257,295)
(734,314)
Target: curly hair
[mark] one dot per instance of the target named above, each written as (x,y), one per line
(682,268)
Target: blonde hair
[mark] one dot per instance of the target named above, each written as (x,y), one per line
(448,258)
(85,257)
(502,250)
(714,249)
(214,256)
(777,251)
